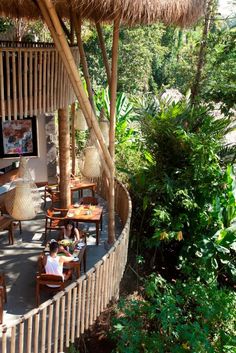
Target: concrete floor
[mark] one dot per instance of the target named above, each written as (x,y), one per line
(19,261)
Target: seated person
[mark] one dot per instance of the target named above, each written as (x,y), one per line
(53,263)
(71,232)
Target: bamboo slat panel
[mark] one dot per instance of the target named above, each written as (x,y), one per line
(33,81)
(58,322)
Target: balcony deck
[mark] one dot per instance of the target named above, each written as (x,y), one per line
(19,261)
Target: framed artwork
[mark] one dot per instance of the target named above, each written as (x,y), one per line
(18,137)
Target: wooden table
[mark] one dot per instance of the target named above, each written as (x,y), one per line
(6,223)
(78,186)
(83,214)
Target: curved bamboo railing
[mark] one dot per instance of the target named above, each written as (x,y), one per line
(59,321)
(33,80)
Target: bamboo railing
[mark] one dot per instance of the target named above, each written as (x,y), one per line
(58,322)
(33,80)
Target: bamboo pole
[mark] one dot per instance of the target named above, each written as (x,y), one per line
(68,319)
(73,311)
(83,300)
(49,330)
(111,203)
(20,77)
(65,53)
(21,338)
(73,138)
(56,325)
(43,337)
(56,82)
(78,326)
(3,112)
(8,86)
(40,81)
(25,84)
(13,339)
(48,81)
(35,83)
(64,158)
(36,333)
(14,86)
(31,83)
(4,341)
(62,325)
(88,302)
(78,26)
(44,79)
(52,81)
(51,18)
(29,335)
(104,52)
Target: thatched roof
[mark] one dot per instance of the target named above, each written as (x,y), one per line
(178,12)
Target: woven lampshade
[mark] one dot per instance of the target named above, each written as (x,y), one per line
(20,201)
(91,168)
(80,122)
(104,126)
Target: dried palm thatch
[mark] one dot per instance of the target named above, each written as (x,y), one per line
(133,12)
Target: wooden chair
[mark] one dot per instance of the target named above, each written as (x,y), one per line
(88,200)
(51,192)
(43,280)
(55,220)
(3,295)
(10,224)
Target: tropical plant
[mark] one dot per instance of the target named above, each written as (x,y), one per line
(176,318)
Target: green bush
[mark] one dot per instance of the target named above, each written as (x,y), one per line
(176,318)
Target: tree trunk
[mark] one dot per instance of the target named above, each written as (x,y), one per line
(202,52)
(64,157)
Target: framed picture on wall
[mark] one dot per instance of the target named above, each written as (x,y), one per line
(18,137)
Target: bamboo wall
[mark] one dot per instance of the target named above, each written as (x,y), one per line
(59,321)
(33,80)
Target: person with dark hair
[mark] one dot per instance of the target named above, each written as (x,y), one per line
(53,263)
(70,232)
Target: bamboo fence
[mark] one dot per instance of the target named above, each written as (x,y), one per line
(56,323)
(33,80)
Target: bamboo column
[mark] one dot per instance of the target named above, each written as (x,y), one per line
(78,25)
(73,138)
(104,52)
(64,157)
(51,18)
(113,90)
(49,14)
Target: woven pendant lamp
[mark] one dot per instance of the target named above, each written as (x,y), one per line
(92,164)
(104,126)
(23,200)
(19,202)
(80,122)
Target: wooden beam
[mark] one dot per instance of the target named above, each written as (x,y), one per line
(78,26)
(50,16)
(104,52)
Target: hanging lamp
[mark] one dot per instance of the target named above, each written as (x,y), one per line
(23,200)
(80,122)
(92,164)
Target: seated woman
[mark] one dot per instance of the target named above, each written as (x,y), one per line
(53,264)
(71,232)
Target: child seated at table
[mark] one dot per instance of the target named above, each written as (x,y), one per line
(70,232)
